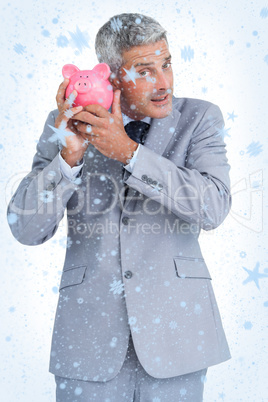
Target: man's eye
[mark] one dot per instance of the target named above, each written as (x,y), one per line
(144,73)
(167,65)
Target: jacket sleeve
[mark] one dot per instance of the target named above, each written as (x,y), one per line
(199,191)
(38,204)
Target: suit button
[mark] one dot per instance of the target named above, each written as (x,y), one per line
(154,183)
(160,186)
(51,186)
(128,274)
(144,177)
(149,181)
(125,220)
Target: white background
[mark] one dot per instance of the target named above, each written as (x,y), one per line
(229,67)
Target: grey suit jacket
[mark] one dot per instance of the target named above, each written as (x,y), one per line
(134,264)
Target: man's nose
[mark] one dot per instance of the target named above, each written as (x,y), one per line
(162,82)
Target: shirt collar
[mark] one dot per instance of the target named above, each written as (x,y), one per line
(127,119)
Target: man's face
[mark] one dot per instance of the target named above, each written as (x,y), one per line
(146,81)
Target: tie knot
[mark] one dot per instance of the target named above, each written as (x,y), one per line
(137,130)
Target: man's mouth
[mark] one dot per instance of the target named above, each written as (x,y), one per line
(160,100)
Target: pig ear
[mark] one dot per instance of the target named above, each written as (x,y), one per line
(103,69)
(68,70)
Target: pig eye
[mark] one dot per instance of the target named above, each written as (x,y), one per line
(81,76)
(87,76)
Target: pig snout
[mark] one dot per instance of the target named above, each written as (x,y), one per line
(82,86)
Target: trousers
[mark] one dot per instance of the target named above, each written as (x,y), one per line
(133,384)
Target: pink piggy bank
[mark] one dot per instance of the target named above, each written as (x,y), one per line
(92,86)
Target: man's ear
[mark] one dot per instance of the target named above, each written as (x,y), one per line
(115,82)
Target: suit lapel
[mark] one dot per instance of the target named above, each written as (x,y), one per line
(161,132)
(159,135)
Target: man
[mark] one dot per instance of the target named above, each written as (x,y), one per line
(137,319)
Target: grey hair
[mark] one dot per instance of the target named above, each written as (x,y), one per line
(121,33)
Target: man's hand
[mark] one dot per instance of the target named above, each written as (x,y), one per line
(77,144)
(105,130)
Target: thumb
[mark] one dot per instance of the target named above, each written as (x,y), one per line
(116,105)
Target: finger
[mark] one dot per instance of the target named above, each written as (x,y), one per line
(89,118)
(69,113)
(72,127)
(60,97)
(88,130)
(85,137)
(83,127)
(98,110)
(69,101)
(116,105)
(66,115)
(71,98)
(89,139)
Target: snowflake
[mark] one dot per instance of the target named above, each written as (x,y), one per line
(62,41)
(187,53)
(203,378)
(149,79)
(46,33)
(79,39)
(204,207)
(18,48)
(132,320)
(78,391)
(248,325)
(254,148)
(116,24)
(68,113)
(70,101)
(131,75)
(117,287)
(77,180)
(223,132)
(46,196)
(136,330)
(254,275)
(264,12)
(12,218)
(198,309)
(66,242)
(231,116)
(59,135)
(173,325)
(183,391)
(113,342)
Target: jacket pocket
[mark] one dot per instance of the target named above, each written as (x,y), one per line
(189,267)
(72,276)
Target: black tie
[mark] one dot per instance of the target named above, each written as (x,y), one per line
(137,130)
